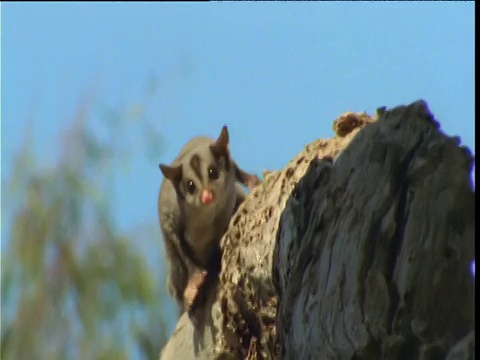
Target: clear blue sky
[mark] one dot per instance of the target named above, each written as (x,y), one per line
(276,73)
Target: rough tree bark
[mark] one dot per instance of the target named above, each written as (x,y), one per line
(359,249)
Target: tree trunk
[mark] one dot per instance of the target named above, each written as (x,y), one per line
(359,249)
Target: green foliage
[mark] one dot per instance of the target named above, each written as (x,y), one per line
(73,285)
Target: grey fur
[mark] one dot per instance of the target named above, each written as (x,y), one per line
(192,230)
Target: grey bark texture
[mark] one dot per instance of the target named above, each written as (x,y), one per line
(359,249)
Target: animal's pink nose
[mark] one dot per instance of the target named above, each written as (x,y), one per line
(207,197)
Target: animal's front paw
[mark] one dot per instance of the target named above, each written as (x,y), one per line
(190,295)
(191,291)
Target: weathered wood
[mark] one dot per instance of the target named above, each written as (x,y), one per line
(188,342)
(358,249)
(375,249)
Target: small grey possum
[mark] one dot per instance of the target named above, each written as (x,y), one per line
(199,194)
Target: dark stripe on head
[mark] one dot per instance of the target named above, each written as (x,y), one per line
(195,164)
(226,159)
(219,152)
(227,162)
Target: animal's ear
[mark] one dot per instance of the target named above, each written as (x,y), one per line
(172,173)
(220,147)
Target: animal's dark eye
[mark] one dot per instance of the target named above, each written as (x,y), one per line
(190,186)
(212,172)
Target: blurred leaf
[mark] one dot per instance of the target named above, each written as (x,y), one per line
(73,285)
